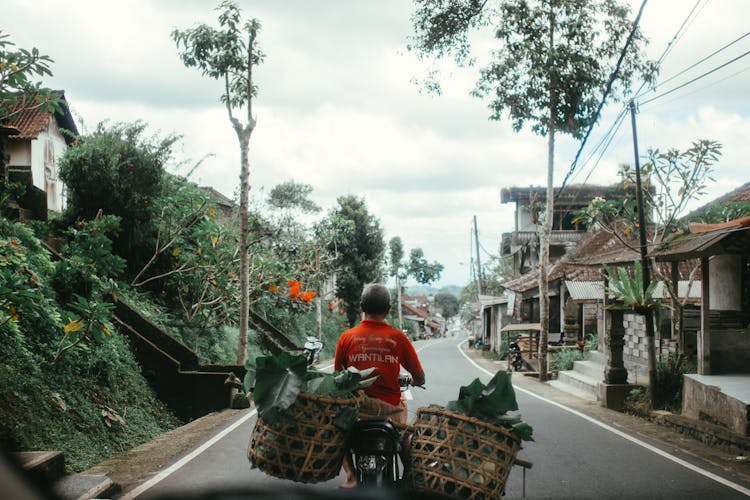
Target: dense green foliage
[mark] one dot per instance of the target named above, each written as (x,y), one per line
(716,213)
(358,254)
(670,370)
(87,400)
(447,304)
(118,171)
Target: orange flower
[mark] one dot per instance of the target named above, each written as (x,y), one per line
(272,288)
(307,297)
(294,287)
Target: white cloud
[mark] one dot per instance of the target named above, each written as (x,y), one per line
(337,110)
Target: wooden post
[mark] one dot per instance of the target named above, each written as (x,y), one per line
(704,338)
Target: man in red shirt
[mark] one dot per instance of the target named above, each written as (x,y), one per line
(374,343)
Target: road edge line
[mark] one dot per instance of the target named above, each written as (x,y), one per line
(654,449)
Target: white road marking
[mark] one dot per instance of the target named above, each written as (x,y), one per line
(611,429)
(186,459)
(161,476)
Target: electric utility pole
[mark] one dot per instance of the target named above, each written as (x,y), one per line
(479,265)
(648,313)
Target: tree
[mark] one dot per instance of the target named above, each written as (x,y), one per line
(417,267)
(18,90)
(671,180)
(358,254)
(421,270)
(555,60)
(448,304)
(291,195)
(118,171)
(229,54)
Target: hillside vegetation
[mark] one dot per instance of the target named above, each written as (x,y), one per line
(68,380)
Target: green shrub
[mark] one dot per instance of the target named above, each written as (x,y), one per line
(565,358)
(669,379)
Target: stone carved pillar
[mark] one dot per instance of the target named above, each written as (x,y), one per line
(615,371)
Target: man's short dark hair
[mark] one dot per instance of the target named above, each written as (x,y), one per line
(376,299)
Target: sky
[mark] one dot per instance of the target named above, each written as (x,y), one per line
(337,107)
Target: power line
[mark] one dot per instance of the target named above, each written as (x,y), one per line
(672,43)
(616,128)
(709,72)
(603,144)
(712,84)
(679,33)
(704,59)
(607,90)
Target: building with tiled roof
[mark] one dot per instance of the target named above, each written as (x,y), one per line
(37,140)
(523,243)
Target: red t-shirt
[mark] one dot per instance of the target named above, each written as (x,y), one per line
(377,344)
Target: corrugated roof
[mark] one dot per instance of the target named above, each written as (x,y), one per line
(585,290)
(491,300)
(594,290)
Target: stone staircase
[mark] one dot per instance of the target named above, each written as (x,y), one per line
(47,469)
(584,379)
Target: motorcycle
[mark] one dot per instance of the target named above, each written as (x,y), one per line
(375,444)
(312,348)
(514,356)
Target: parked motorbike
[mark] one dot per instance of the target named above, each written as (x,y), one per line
(375,444)
(514,356)
(312,348)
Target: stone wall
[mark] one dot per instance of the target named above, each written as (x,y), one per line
(704,400)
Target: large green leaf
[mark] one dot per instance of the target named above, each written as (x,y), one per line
(498,397)
(491,403)
(279,379)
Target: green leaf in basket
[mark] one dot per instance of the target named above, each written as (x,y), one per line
(322,386)
(278,381)
(350,380)
(498,397)
(524,431)
(467,398)
(491,404)
(345,418)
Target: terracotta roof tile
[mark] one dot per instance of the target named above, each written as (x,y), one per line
(31,122)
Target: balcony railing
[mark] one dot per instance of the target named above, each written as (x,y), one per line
(556,237)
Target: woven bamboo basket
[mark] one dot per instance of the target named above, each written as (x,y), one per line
(460,456)
(305,446)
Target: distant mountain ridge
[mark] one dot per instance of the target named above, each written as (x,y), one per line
(432,290)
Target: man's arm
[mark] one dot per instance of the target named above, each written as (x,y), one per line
(411,363)
(339,360)
(417,378)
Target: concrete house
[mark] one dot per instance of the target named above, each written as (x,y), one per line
(720,391)
(34,149)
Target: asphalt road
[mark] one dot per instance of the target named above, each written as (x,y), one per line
(576,453)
